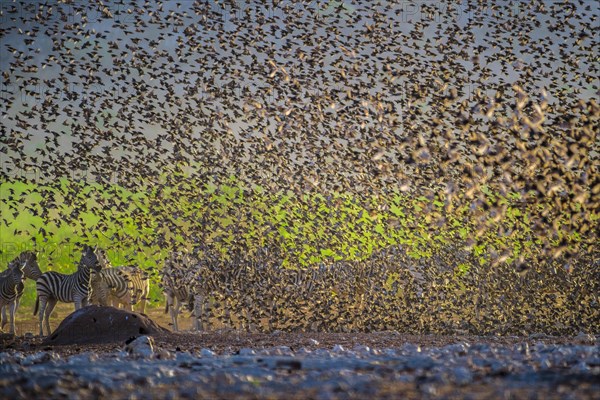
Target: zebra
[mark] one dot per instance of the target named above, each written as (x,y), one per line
(74,288)
(139,285)
(202,285)
(10,282)
(127,285)
(99,290)
(31,270)
(175,285)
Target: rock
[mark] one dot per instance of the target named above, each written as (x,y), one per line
(523,348)
(39,358)
(246,352)
(458,348)
(461,376)
(313,342)
(362,350)
(420,362)
(142,347)
(580,368)
(207,353)
(338,348)
(584,338)
(288,364)
(98,324)
(164,354)
(410,348)
(86,357)
(281,351)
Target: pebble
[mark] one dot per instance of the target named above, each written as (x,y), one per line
(246,352)
(584,338)
(207,353)
(141,347)
(39,358)
(461,376)
(338,348)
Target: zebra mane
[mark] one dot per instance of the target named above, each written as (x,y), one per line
(88,259)
(103,258)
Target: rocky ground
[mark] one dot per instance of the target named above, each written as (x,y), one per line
(228,364)
(231,364)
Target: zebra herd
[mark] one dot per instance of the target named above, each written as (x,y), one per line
(95,282)
(208,286)
(240,290)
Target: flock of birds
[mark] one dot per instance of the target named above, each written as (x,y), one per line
(441,100)
(256,293)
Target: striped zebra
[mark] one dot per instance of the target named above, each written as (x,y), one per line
(31,270)
(176,286)
(74,288)
(139,288)
(184,283)
(10,282)
(127,285)
(99,290)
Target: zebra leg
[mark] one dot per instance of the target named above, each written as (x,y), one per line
(17,303)
(209,306)
(128,301)
(198,313)
(12,306)
(43,301)
(3,317)
(171,303)
(49,309)
(174,310)
(77,300)
(143,303)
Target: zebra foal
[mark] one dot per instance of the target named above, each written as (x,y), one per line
(126,285)
(52,287)
(10,281)
(173,284)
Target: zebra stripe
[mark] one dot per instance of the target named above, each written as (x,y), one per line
(128,285)
(31,270)
(117,282)
(139,285)
(9,283)
(74,288)
(99,290)
(177,287)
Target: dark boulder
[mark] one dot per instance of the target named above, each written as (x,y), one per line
(99,324)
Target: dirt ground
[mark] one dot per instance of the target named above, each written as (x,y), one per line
(228,341)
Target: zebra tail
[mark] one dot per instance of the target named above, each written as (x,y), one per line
(166,306)
(37,304)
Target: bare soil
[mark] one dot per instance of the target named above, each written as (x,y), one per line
(228,341)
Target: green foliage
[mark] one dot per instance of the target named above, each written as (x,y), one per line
(309,229)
